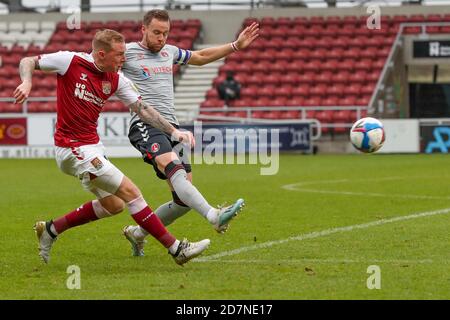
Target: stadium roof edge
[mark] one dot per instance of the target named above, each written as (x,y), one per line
(257,13)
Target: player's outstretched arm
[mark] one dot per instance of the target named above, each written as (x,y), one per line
(246,37)
(26,67)
(149,115)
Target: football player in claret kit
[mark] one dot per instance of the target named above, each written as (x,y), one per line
(149,65)
(84,83)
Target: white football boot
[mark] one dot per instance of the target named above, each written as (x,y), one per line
(137,244)
(45,240)
(188,250)
(225,214)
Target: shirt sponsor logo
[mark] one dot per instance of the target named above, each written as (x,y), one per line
(145,72)
(83,94)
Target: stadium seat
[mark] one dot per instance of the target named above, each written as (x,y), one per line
(10,107)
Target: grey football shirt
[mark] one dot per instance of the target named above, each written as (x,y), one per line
(152,75)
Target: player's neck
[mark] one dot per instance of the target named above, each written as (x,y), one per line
(143,43)
(98,64)
(99,67)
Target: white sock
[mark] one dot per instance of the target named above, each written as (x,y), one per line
(212,215)
(173,248)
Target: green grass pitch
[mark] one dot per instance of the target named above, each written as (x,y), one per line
(309,232)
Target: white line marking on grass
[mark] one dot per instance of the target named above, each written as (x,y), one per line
(318,234)
(298,187)
(332,261)
(372,194)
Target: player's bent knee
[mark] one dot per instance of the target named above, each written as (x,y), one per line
(174,167)
(163,160)
(128,190)
(116,208)
(107,207)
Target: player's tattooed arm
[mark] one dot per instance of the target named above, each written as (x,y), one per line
(149,115)
(26,67)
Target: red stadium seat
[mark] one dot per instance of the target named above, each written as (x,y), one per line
(324,77)
(346,65)
(284,21)
(272,79)
(295,101)
(280,66)
(290,78)
(325,116)
(336,89)
(358,77)
(301,21)
(330,101)
(292,114)
(368,88)
(261,102)
(10,107)
(318,90)
(212,94)
(254,79)
(312,102)
(284,91)
(248,92)
(347,101)
(279,102)
(342,116)
(244,102)
(353,89)
(412,30)
(266,91)
(301,91)
(212,103)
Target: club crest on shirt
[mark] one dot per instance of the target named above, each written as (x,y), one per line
(140,56)
(164,54)
(106,87)
(97,163)
(155,147)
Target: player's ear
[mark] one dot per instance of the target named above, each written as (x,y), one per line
(101,53)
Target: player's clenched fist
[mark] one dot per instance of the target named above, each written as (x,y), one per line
(185,137)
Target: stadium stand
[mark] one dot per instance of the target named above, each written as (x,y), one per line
(318,61)
(323,64)
(31,38)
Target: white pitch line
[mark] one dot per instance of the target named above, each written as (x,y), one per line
(318,234)
(332,261)
(372,194)
(298,187)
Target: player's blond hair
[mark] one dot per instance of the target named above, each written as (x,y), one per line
(104,39)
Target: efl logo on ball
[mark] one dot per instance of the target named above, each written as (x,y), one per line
(367,135)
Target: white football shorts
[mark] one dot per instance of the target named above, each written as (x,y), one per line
(88,163)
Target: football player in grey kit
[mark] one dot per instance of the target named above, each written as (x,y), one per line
(149,65)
